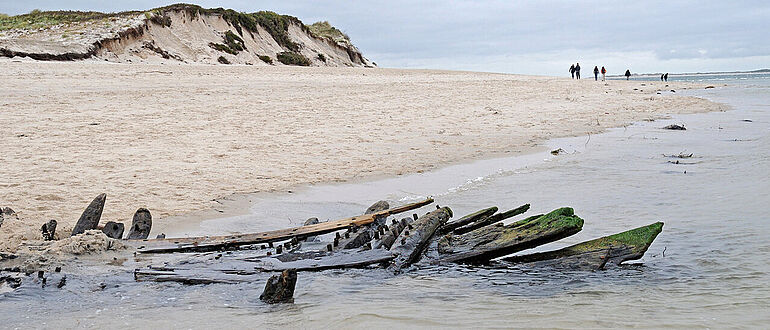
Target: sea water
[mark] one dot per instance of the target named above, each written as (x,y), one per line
(708,268)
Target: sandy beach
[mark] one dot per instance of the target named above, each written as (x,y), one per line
(175,138)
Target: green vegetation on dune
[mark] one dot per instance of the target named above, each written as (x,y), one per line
(326,30)
(290,58)
(37,19)
(266,59)
(276,25)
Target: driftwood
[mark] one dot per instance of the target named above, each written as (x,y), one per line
(491,220)
(584,261)
(491,242)
(411,242)
(468,219)
(211,243)
(280,288)
(628,245)
(91,216)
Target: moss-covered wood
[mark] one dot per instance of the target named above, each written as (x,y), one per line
(628,245)
(491,242)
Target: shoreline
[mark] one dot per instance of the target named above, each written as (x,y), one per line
(483,143)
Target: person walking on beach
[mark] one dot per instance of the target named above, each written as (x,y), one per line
(572,71)
(665,76)
(596,73)
(628,74)
(604,73)
(661,77)
(577,70)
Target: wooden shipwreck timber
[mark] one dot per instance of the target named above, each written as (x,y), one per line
(368,241)
(378,239)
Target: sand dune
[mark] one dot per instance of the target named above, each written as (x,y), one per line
(173,138)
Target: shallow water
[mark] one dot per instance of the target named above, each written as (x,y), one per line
(713,273)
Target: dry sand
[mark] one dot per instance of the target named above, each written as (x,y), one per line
(174,138)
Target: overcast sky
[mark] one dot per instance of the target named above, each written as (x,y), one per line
(531,37)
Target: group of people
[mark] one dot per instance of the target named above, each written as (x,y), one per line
(574,69)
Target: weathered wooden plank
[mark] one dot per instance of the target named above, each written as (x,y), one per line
(491,220)
(468,219)
(491,242)
(210,243)
(410,243)
(628,245)
(584,261)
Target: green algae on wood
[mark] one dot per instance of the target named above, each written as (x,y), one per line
(628,245)
(496,241)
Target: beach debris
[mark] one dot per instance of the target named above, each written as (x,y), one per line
(618,248)
(358,236)
(557,151)
(280,288)
(391,233)
(675,127)
(709,87)
(48,230)
(113,230)
(140,225)
(680,155)
(91,216)
(160,236)
(377,207)
(747,121)
(491,242)
(212,243)
(411,242)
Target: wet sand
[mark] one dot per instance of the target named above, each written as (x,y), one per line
(174,139)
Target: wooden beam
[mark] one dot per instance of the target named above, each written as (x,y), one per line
(210,243)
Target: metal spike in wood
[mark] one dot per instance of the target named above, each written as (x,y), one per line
(90,218)
(211,243)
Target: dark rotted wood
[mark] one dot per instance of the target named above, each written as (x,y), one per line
(193,277)
(411,242)
(91,216)
(468,219)
(628,245)
(141,224)
(491,220)
(49,230)
(322,260)
(212,243)
(280,288)
(491,242)
(113,230)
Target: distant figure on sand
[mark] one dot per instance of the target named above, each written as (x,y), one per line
(665,76)
(596,73)
(577,70)
(661,77)
(572,71)
(604,73)
(628,74)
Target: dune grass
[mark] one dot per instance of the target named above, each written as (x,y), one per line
(290,58)
(326,30)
